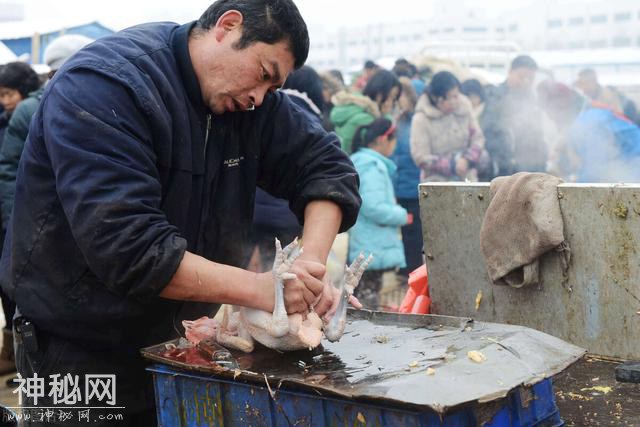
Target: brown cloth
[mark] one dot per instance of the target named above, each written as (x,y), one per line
(523,222)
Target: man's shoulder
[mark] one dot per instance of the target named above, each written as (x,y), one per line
(130,46)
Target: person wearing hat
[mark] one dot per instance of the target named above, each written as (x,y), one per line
(63,48)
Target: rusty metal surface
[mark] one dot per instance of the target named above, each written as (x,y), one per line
(598,308)
(384,357)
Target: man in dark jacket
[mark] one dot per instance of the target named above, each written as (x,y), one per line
(512,122)
(135,191)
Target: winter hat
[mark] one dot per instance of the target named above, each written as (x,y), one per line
(63,48)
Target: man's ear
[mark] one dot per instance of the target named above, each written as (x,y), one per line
(229,21)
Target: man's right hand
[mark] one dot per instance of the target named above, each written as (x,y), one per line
(299,293)
(307,285)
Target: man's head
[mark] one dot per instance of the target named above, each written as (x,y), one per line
(242,49)
(522,73)
(588,82)
(370,68)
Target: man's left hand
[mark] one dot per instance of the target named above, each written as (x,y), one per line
(329,300)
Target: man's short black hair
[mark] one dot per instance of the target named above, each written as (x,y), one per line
(19,76)
(370,65)
(524,61)
(266,21)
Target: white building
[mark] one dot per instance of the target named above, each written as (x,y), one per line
(540,25)
(11,11)
(601,24)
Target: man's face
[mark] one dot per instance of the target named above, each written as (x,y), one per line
(237,79)
(521,79)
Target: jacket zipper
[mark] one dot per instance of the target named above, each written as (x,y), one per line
(206,135)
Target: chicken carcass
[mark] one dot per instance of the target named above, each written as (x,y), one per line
(243,326)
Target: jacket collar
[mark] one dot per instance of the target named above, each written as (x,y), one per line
(391,166)
(425,106)
(366,103)
(180,46)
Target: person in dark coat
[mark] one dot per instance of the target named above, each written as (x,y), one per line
(272,216)
(18,81)
(406,180)
(512,123)
(135,193)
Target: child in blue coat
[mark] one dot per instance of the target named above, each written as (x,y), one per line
(377,229)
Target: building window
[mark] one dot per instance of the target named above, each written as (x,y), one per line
(417,36)
(390,39)
(513,28)
(621,41)
(598,19)
(449,30)
(597,43)
(576,44)
(578,20)
(434,31)
(554,23)
(499,29)
(620,17)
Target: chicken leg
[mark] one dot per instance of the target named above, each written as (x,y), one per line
(334,329)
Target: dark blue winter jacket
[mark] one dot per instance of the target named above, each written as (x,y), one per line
(407,176)
(125,168)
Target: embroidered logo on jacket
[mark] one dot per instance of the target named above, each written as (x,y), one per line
(233,162)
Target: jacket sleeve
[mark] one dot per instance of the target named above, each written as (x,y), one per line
(374,206)
(301,162)
(10,153)
(421,149)
(101,154)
